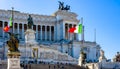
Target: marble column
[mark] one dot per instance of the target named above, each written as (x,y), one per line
(3,31)
(45,33)
(54,33)
(36,32)
(68,32)
(41,32)
(74,34)
(50,33)
(23,31)
(63,26)
(71,35)
(18,29)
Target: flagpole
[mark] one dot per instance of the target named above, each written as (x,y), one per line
(12,19)
(82,35)
(82,43)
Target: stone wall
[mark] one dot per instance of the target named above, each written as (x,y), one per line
(106,65)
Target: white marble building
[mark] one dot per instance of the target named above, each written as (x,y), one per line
(51,34)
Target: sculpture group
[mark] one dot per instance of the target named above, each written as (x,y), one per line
(62,7)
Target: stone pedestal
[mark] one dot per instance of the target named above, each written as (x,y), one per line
(30,37)
(13,60)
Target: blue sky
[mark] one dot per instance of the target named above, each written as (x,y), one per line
(102,15)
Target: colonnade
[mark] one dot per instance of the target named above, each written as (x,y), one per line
(69,36)
(43,32)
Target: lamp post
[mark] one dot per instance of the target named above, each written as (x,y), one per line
(12,18)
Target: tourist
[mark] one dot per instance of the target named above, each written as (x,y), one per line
(49,66)
(54,66)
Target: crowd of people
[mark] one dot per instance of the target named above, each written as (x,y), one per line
(51,65)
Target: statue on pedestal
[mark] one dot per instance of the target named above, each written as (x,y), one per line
(13,52)
(13,43)
(82,58)
(30,22)
(117,57)
(30,33)
(102,56)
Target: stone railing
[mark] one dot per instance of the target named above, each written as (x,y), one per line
(105,65)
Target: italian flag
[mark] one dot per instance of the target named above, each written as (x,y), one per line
(77,29)
(7,28)
(10,23)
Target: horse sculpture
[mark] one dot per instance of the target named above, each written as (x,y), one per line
(62,7)
(13,43)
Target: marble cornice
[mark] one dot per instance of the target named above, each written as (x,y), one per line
(71,20)
(22,17)
(19,15)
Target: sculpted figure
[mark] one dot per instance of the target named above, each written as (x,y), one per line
(83,57)
(67,7)
(102,56)
(61,5)
(102,53)
(13,43)
(30,22)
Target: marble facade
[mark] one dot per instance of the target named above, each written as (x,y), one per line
(51,34)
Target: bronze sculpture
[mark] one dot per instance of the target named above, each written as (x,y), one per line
(62,7)
(67,7)
(83,57)
(13,43)
(30,22)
